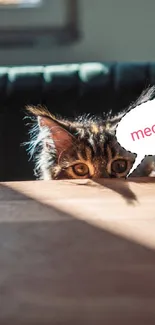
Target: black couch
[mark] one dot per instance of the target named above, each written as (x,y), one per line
(65,89)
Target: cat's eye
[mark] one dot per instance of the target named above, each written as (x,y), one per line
(81,169)
(119,166)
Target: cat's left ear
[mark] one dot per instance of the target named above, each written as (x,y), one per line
(113,122)
(58,130)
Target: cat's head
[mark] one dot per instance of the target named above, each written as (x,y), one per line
(84,148)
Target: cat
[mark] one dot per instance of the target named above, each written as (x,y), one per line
(83,148)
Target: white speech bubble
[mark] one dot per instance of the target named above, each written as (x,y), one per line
(136,132)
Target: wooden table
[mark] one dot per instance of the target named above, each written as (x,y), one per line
(77,252)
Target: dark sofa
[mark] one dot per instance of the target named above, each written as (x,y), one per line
(65,89)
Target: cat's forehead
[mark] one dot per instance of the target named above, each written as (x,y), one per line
(92,139)
(90,128)
(88,122)
(99,138)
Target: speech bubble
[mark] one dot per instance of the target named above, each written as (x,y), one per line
(136,132)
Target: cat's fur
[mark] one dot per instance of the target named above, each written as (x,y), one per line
(83,148)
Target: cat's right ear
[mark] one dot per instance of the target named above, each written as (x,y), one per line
(58,130)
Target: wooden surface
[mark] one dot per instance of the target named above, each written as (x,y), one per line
(77,252)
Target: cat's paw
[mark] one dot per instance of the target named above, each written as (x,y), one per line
(152,174)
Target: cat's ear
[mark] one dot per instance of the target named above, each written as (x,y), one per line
(147,94)
(113,122)
(58,130)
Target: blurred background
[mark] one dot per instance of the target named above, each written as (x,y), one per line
(73,56)
(65,31)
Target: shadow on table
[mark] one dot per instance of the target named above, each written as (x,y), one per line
(55,269)
(120,186)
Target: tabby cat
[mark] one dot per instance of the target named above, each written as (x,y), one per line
(83,148)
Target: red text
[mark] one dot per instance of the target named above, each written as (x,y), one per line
(147,132)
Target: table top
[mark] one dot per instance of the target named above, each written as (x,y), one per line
(77,252)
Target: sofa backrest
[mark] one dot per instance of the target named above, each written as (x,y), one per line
(67,90)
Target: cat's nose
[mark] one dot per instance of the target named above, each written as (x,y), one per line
(104,174)
(100,173)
